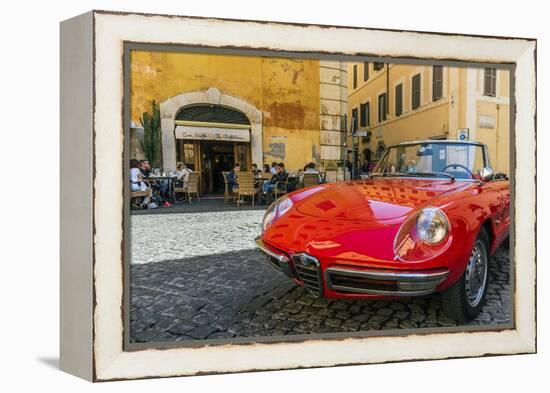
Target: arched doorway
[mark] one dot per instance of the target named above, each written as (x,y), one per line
(213,96)
(210,139)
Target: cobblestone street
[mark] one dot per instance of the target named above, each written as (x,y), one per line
(203,280)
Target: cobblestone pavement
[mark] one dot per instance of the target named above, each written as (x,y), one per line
(237,294)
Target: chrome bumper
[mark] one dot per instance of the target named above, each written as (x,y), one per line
(275,259)
(384,282)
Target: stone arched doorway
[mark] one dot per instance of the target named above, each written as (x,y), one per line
(170,108)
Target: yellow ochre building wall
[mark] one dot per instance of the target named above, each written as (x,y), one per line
(463,105)
(286,91)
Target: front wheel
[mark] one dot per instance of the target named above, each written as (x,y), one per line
(463,301)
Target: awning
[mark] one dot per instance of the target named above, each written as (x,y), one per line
(213,134)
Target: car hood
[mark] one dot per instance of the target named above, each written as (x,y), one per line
(373,199)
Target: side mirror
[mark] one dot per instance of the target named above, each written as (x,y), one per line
(486,174)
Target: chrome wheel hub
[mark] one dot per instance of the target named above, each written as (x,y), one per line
(476,274)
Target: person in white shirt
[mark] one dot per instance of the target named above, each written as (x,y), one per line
(136,181)
(273,169)
(309,168)
(182,173)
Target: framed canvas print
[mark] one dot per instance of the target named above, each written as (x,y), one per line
(246,195)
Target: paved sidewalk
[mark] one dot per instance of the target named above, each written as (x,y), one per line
(177,236)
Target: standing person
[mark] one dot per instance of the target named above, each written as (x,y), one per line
(365,167)
(136,181)
(273,169)
(233,177)
(266,168)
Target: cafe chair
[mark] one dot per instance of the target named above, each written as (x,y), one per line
(227,193)
(281,187)
(264,176)
(193,186)
(310,179)
(246,187)
(141,194)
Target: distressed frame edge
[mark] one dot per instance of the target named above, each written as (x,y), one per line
(526,340)
(129,47)
(76,285)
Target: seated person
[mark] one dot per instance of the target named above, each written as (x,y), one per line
(411,166)
(309,168)
(182,173)
(281,175)
(255,170)
(233,178)
(266,168)
(161,187)
(136,181)
(145,168)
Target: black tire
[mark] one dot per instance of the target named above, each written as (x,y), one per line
(454,300)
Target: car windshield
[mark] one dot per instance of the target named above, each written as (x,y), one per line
(452,160)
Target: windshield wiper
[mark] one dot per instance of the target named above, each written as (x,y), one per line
(389,174)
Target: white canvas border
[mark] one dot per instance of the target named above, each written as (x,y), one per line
(111,30)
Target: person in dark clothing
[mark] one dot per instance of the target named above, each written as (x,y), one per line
(281,175)
(233,177)
(145,168)
(266,168)
(255,170)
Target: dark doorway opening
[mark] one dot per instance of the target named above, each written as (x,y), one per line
(217,157)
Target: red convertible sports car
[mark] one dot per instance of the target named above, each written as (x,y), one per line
(426,220)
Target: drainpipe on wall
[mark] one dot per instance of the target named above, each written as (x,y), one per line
(387,88)
(496,134)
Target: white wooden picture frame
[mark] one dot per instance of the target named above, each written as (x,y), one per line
(92,196)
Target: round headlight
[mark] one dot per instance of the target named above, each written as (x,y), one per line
(432,225)
(269,216)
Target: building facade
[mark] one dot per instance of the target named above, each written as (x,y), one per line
(393,103)
(219,109)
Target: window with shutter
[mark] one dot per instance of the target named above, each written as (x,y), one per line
(382,106)
(490,82)
(366,71)
(437,83)
(354,120)
(355,76)
(399,99)
(362,116)
(416,91)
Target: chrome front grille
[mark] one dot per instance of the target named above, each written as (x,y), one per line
(309,271)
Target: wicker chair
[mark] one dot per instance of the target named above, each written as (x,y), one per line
(264,176)
(142,194)
(310,179)
(246,187)
(227,193)
(191,188)
(280,189)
